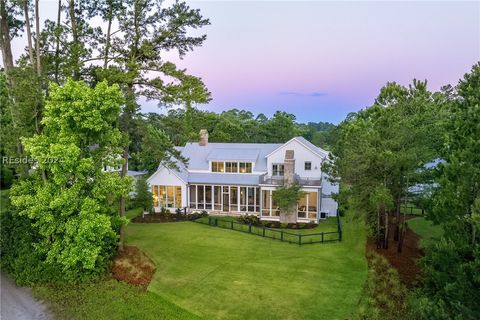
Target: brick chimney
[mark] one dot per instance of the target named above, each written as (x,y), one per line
(289,168)
(203,137)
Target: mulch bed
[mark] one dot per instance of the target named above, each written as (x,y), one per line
(405,262)
(133,266)
(159,218)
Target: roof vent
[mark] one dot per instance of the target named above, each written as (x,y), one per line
(203,137)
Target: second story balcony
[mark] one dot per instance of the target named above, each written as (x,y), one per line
(279,180)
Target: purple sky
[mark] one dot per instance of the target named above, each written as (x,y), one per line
(322,60)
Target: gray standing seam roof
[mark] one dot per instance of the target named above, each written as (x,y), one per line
(199,156)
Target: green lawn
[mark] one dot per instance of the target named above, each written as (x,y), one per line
(326,225)
(224,274)
(108,299)
(425,229)
(132,213)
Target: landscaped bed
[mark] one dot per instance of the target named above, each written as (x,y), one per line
(220,274)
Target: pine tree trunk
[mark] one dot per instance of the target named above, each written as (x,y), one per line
(109,31)
(397,220)
(6,49)
(385,245)
(37,37)
(76,44)
(29,33)
(57,41)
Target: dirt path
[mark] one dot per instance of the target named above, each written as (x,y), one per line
(17,303)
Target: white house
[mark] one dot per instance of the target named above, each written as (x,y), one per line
(239,178)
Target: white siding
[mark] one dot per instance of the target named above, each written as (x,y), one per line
(301,154)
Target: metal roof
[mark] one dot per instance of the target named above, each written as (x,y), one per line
(222,178)
(238,154)
(199,156)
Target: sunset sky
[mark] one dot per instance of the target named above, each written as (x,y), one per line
(321,60)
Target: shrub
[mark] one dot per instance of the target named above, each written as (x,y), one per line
(179,211)
(249,219)
(164,212)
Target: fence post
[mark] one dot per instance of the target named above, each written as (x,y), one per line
(300,239)
(209,221)
(411,210)
(281,235)
(249,228)
(322,236)
(216,222)
(263,232)
(231,222)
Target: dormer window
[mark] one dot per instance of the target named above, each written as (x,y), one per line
(232,167)
(218,166)
(245,167)
(308,165)
(277,170)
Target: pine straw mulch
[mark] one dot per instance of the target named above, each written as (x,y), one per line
(406,262)
(133,266)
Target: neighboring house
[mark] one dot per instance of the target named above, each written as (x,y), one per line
(239,178)
(136,175)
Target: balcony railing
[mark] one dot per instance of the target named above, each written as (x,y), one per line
(278,180)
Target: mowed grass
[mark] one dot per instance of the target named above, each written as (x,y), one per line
(108,299)
(425,229)
(325,225)
(224,274)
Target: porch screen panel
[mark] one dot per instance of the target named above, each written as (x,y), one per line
(208,197)
(275,207)
(200,197)
(266,202)
(217,198)
(243,199)
(233,199)
(251,199)
(312,205)
(302,207)
(257,199)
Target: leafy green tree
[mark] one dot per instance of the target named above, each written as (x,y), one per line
(144,197)
(71,208)
(157,149)
(287,197)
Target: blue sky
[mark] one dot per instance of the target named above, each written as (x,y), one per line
(321,60)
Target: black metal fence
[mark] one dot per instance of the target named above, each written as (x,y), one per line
(276,234)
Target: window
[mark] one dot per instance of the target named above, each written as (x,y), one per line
(155,195)
(245,167)
(168,196)
(162,196)
(307,206)
(178,197)
(277,170)
(218,166)
(231,167)
(308,165)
